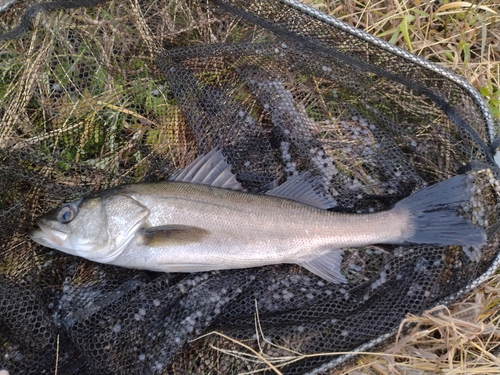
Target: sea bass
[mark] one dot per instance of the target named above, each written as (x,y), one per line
(202,220)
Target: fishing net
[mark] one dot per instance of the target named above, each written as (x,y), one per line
(132,91)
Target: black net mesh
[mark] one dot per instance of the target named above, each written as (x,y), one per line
(132,91)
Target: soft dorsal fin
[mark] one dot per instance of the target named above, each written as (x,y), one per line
(209,169)
(300,188)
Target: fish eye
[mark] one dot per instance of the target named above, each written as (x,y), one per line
(66,214)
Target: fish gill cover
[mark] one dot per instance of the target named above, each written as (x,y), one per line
(133,91)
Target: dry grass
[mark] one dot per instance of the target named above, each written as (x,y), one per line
(461,36)
(462,339)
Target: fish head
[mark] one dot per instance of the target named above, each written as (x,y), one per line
(97,228)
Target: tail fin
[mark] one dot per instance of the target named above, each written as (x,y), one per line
(434,214)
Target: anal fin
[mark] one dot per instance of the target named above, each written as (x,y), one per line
(327,265)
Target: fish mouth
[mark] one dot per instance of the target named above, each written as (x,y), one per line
(47,237)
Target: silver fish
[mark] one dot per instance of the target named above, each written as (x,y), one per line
(202,220)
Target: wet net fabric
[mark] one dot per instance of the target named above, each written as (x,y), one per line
(133,91)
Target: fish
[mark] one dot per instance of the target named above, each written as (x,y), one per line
(202,219)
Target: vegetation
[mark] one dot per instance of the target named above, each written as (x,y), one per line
(56,94)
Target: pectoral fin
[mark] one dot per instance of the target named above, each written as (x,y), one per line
(327,265)
(171,235)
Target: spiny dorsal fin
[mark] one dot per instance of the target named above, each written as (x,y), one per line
(210,169)
(300,188)
(327,265)
(171,235)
